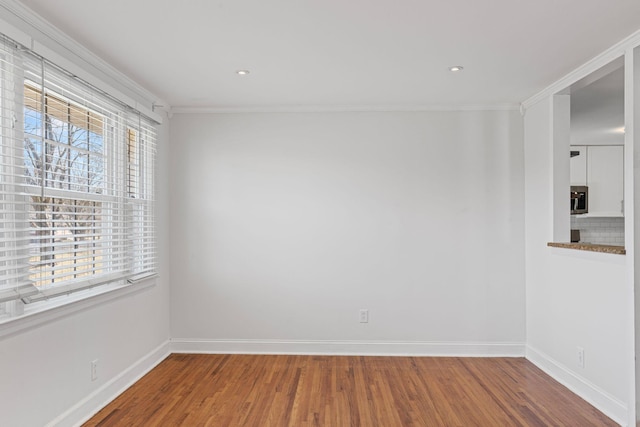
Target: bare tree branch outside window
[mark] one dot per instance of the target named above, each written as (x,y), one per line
(64,150)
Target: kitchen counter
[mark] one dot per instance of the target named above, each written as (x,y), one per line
(608,249)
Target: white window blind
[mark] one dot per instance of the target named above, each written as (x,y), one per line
(141,149)
(77,195)
(14,226)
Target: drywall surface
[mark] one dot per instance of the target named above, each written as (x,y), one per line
(46,369)
(574,299)
(285,225)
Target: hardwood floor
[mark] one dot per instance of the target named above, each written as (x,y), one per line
(259,390)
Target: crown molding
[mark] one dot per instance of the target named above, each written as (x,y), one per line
(53,44)
(614,52)
(340,109)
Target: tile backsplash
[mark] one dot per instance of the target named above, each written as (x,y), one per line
(605,231)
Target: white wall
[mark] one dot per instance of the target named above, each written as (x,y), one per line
(284,225)
(573,299)
(45,370)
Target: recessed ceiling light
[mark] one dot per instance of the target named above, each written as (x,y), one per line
(456,68)
(242,72)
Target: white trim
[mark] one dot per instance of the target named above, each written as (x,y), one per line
(594,395)
(614,52)
(30,29)
(351,348)
(47,311)
(13,33)
(82,411)
(340,109)
(632,220)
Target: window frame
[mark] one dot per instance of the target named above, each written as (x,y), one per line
(114,179)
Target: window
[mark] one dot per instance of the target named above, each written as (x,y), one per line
(14,230)
(140,191)
(64,159)
(77,192)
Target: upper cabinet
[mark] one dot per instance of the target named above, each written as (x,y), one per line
(601,169)
(605,179)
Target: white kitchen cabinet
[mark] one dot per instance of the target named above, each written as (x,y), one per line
(605,179)
(578,166)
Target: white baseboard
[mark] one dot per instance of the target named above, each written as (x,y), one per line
(90,405)
(352,348)
(600,399)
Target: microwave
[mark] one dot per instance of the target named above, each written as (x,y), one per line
(579,199)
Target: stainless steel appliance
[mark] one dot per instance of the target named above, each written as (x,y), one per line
(579,199)
(575,236)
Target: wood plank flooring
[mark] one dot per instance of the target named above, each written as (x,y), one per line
(350,391)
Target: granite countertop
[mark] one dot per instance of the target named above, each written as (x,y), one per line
(608,249)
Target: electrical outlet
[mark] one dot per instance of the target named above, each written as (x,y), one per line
(580,356)
(364,316)
(94,370)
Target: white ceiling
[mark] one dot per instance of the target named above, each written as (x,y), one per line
(348,53)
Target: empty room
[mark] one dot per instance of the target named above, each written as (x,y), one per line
(319,213)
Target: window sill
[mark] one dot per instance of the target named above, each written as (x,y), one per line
(43,312)
(590,247)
